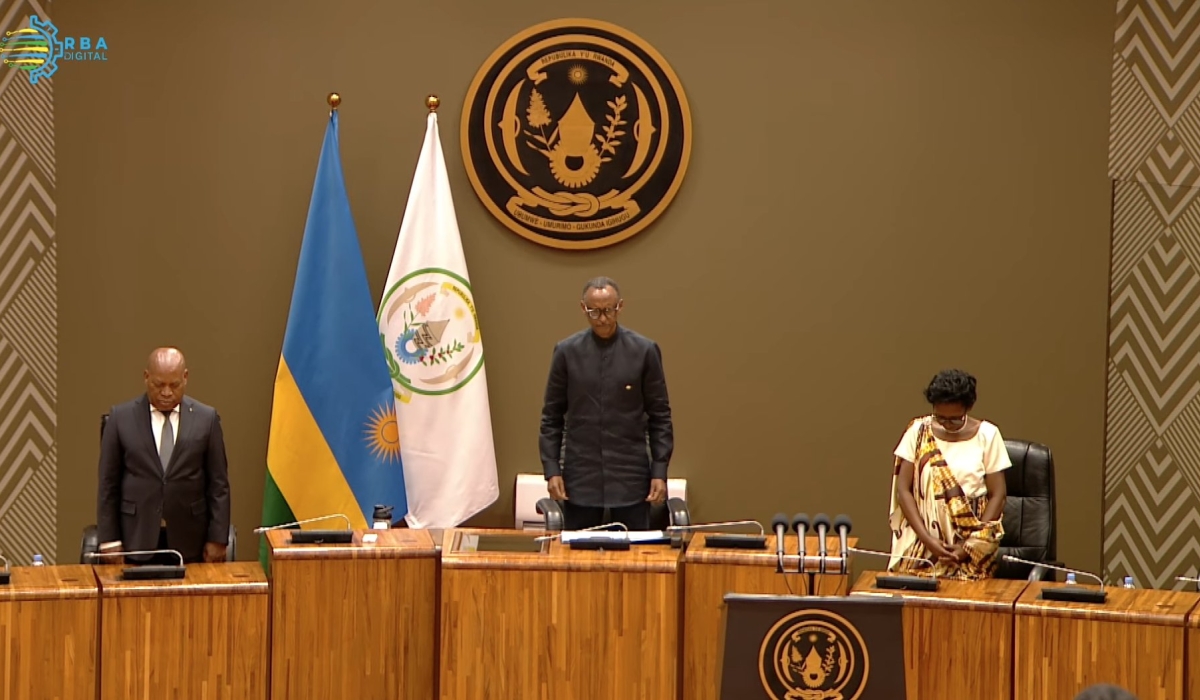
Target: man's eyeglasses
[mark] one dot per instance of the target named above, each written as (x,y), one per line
(597,313)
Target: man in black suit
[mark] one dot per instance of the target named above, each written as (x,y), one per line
(164,480)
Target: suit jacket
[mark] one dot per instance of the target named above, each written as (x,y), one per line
(606,419)
(135,494)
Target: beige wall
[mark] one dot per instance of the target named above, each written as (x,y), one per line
(875,193)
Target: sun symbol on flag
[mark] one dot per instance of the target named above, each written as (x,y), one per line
(383,435)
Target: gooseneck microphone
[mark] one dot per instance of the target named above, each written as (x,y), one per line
(821,525)
(780,525)
(6,575)
(1072,594)
(801,523)
(314,536)
(842,525)
(902,582)
(145,572)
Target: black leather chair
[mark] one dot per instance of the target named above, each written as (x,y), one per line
(662,515)
(90,543)
(1030,528)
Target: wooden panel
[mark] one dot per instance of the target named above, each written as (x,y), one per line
(710,574)
(1124,605)
(1136,641)
(354,621)
(564,625)
(1192,670)
(939,662)
(556,556)
(48,628)
(202,637)
(994,595)
(233,578)
(397,543)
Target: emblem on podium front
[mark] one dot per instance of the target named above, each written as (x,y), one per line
(576,134)
(813,655)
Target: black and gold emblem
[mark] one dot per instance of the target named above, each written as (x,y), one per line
(576,134)
(813,655)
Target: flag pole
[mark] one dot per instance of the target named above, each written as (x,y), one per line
(334,100)
(432,102)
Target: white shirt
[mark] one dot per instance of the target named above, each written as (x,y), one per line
(969,460)
(157,420)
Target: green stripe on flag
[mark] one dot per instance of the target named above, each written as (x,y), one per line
(275,512)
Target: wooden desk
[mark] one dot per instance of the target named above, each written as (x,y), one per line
(711,573)
(204,636)
(1192,667)
(561,623)
(1135,640)
(48,620)
(958,640)
(353,620)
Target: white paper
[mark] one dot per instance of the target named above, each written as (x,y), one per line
(613,535)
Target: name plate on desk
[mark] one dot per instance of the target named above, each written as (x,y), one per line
(727,541)
(322,537)
(901,582)
(1075,594)
(501,543)
(153,573)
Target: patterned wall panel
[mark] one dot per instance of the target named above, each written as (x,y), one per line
(1152,451)
(28,307)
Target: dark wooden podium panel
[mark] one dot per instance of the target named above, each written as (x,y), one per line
(48,633)
(1135,640)
(558,624)
(355,620)
(801,648)
(711,573)
(958,640)
(201,637)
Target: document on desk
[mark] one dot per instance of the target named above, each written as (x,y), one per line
(614,535)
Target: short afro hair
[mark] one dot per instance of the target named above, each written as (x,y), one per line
(952,386)
(600,283)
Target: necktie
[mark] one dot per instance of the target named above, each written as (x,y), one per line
(167,445)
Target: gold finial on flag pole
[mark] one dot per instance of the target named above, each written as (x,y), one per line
(334,100)
(432,102)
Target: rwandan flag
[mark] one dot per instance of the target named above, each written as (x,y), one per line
(333,446)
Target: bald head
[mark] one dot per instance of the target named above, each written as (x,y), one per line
(166,378)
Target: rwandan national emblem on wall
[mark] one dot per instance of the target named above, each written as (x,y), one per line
(576,134)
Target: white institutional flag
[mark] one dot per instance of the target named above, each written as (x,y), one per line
(430,330)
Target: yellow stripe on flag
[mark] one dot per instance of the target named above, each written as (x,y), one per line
(301,462)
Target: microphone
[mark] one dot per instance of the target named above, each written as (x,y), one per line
(902,582)
(314,536)
(6,575)
(801,523)
(727,540)
(780,525)
(821,524)
(147,572)
(1072,594)
(842,526)
(1189,579)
